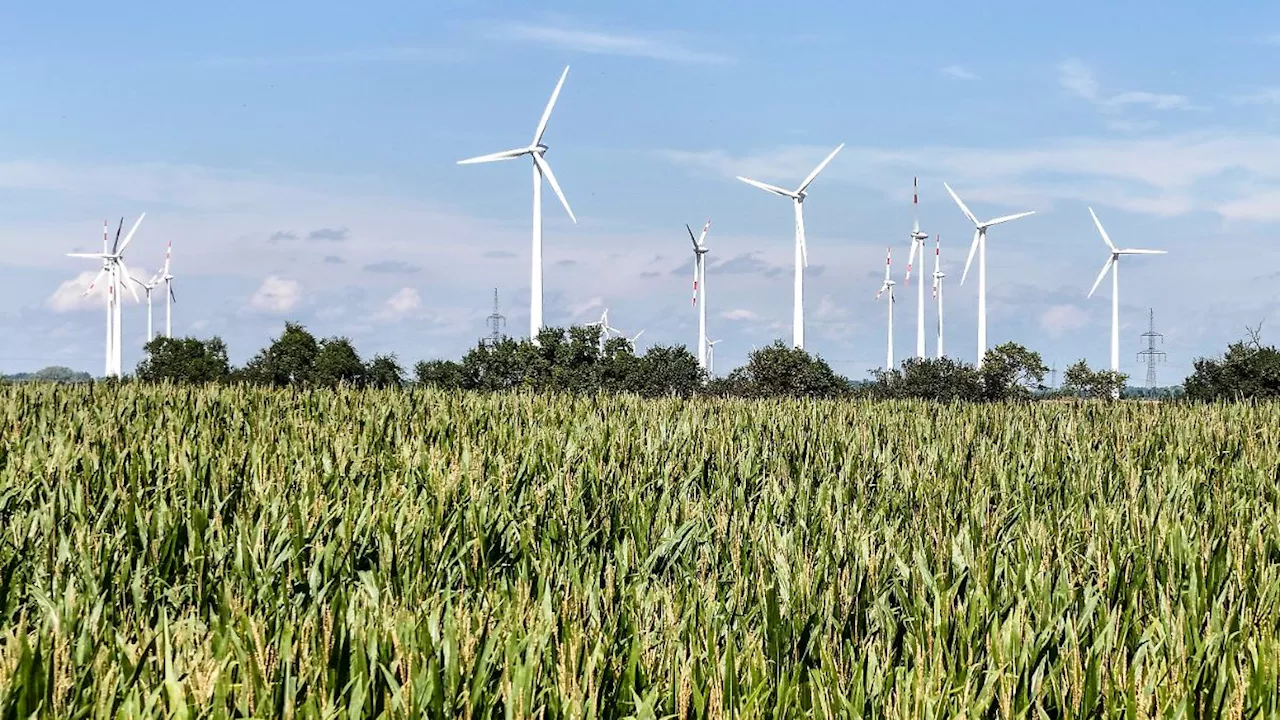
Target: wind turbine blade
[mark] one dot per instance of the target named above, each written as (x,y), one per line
(911,258)
(804,185)
(769,188)
(972,249)
(703,237)
(129,238)
(1007,218)
(168,255)
(125,269)
(494,157)
(551,178)
(888,260)
(1137,251)
(546,114)
(96,278)
(171,295)
(963,208)
(1105,267)
(116,244)
(1105,237)
(692,239)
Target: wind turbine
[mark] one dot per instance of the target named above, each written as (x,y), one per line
(537,151)
(114,269)
(938,275)
(888,285)
(147,287)
(700,287)
(802,253)
(917,243)
(711,356)
(632,341)
(1113,264)
(167,278)
(980,245)
(605,329)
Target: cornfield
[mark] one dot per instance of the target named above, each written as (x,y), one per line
(233,552)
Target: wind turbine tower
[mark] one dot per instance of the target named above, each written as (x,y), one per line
(802,253)
(888,286)
(917,246)
(536,150)
(1151,355)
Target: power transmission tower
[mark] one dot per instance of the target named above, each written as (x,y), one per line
(496,322)
(1053,376)
(1151,355)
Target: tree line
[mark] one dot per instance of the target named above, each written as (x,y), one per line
(580,360)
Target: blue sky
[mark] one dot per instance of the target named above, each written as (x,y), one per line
(301,157)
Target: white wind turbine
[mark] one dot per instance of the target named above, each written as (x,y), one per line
(535,150)
(147,287)
(605,329)
(980,246)
(888,285)
(700,288)
(802,253)
(711,356)
(165,277)
(631,341)
(1113,264)
(938,275)
(116,271)
(917,244)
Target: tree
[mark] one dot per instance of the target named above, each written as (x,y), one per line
(384,371)
(667,370)
(440,374)
(778,370)
(337,363)
(289,360)
(942,379)
(1011,372)
(184,360)
(1247,370)
(53,373)
(1080,381)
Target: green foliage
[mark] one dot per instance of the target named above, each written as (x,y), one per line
(384,371)
(1011,372)
(440,374)
(778,370)
(247,552)
(289,360)
(1080,381)
(1248,370)
(942,379)
(53,373)
(337,363)
(184,360)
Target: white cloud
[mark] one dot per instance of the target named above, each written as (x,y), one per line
(1076,78)
(1261,96)
(404,303)
(605,43)
(70,295)
(739,314)
(579,309)
(1061,319)
(960,72)
(276,295)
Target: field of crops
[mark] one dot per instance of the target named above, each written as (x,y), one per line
(235,552)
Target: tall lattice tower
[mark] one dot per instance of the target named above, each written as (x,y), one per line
(496,322)
(1151,355)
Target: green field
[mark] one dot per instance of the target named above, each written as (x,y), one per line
(235,552)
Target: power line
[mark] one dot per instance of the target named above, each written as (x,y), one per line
(496,322)
(1151,355)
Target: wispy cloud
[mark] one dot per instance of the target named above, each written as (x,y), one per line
(607,43)
(276,295)
(339,57)
(329,234)
(1261,96)
(397,267)
(1061,319)
(960,72)
(1078,79)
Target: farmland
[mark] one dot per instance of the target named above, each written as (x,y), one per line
(227,552)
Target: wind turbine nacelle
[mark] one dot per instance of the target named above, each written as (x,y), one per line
(540,148)
(919,236)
